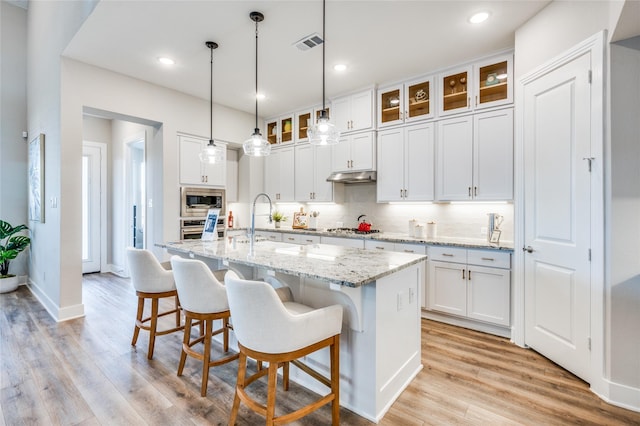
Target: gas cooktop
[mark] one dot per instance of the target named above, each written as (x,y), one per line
(351,231)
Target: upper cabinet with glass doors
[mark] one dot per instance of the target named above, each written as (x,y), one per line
(280,130)
(406,102)
(304,120)
(481,85)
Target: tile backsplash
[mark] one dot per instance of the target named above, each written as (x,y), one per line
(465,219)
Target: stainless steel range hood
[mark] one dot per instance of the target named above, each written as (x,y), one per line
(353,177)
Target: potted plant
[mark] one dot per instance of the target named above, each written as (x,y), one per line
(11,244)
(278,217)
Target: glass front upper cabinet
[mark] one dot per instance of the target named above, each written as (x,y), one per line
(494,79)
(418,99)
(454,91)
(303,121)
(405,102)
(280,130)
(286,129)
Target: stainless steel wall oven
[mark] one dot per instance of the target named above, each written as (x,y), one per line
(191,229)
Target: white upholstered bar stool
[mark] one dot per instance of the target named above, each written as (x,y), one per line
(151,281)
(203,298)
(278,332)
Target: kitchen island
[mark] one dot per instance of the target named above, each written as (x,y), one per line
(380,350)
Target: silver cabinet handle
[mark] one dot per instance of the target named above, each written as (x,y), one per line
(380,248)
(475,191)
(469,191)
(491,259)
(290,238)
(463,274)
(309,241)
(409,251)
(469,276)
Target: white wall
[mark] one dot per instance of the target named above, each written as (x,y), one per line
(13,116)
(624,225)
(58,91)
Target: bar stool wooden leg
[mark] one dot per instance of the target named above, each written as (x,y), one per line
(153,327)
(177,300)
(271,392)
(185,341)
(242,368)
(136,329)
(335,380)
(206,362)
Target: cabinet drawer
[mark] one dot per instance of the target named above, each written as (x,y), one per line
(300,238)
(346,242)
(448,254)
(271,236)
(494,259)
(411,248)
(379,245)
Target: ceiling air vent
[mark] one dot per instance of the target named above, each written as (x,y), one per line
(308,42)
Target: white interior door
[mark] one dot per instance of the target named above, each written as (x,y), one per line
(557,228)
(93,183)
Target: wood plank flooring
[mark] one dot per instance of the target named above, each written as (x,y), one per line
(85,372)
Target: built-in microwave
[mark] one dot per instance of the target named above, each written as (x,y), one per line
(196,202)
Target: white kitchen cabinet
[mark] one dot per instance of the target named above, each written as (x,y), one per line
(232,176)
(269,235)
(279,174)
(300,238)
(475,157)
(470,283)
(406,163)
(280,130)
(304,119)
(345,242)
(312,168)
(406,102)
(354,152)
(476,86)
(353,112)
(193,171)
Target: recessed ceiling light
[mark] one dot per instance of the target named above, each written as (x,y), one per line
(340,67)
(166,61)
(260,96)
(479,17)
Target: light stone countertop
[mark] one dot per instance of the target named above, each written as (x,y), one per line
(347,266)
(399,237)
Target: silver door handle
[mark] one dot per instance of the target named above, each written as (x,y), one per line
(528,249)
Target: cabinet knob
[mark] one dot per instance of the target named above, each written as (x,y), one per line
(528,249)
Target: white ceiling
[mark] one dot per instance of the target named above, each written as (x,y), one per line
(380,41)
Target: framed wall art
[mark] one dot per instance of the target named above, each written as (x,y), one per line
(36,179)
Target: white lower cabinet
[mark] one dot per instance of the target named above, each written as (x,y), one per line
(345,242)
(300,238)
(269,235)
(471,283)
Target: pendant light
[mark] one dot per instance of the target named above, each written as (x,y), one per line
(323,132)
(211,153)
(256,145)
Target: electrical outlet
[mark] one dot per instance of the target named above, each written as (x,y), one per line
(483,230)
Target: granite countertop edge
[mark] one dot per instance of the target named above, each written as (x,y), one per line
(397,237)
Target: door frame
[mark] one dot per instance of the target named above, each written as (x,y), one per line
(596,46)
(103,147)
(129,143)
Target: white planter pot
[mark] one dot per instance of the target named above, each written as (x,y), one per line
(9,284)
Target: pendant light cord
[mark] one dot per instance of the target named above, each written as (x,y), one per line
(324,41)
(211,101)
(256,131)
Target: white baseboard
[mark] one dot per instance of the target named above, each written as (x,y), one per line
(57,313)
(117,270)
(620,395)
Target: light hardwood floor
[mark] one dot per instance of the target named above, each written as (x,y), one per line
(85,372)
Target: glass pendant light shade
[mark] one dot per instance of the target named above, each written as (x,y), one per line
(211,153)
(256,145)
(323,132)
